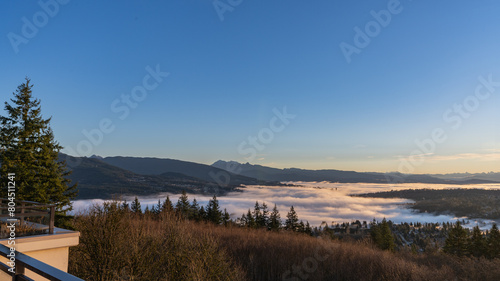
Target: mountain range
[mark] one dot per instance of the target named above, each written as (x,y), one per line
(491,176)
(112,177)
(294,174)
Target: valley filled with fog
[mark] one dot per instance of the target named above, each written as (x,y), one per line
(319,202)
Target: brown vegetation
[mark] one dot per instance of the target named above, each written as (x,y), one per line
(119,245)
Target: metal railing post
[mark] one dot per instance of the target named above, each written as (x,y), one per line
(21,219)
(38,208)
(19,271)
(52,219)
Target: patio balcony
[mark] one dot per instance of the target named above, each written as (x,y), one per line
(41,250)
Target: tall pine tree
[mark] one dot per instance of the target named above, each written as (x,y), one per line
(182,207)
(382,235)
(125,206)
(226,219)
(256,212)
(264,216)
(477,243)
(274,219)
(292,220)
(214,213)
(28,149)
(308,228)
(167,206)
(249,220)
(456,242)
(194,211)
(493,242)
(136,206)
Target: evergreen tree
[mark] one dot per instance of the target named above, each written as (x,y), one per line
(302,227)
(202,213)
(387,242)
(182,206)
(158,208)
(250,221)
(477,243)
(213,211)
(292,220)
(136,206)
(257,215)
(167,206)
(493,243)
(375,233)
(274,219)
(242,221)
(456,242)
(147,211)
(382,235)
(264,216)
(125,206)
(28,150)
(226,219)
(194,211)
(308,228)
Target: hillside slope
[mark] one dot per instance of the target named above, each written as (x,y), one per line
(97,179)
(157,166)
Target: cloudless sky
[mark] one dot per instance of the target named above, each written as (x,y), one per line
(228,77)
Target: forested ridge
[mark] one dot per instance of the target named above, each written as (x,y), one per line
(461,202)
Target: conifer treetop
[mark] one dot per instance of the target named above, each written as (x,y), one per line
(28,149)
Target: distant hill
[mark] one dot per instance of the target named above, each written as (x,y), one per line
(294,174)
(491,176)
(97,179)
(158,166)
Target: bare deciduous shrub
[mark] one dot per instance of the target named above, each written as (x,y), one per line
(119,245)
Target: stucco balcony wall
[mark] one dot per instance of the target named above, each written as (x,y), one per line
(52,249)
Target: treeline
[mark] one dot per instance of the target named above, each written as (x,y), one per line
(259,217)
(450,238)
(472,203)
(183,209)
(476,244)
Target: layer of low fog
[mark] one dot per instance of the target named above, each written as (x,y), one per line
(318,202)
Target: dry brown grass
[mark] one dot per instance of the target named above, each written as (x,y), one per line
(118,245)
(266,255)
(288,256)
(121,246)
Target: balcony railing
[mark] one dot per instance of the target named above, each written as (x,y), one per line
(23,262)
(28,209)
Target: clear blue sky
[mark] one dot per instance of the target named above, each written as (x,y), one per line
(226,77)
